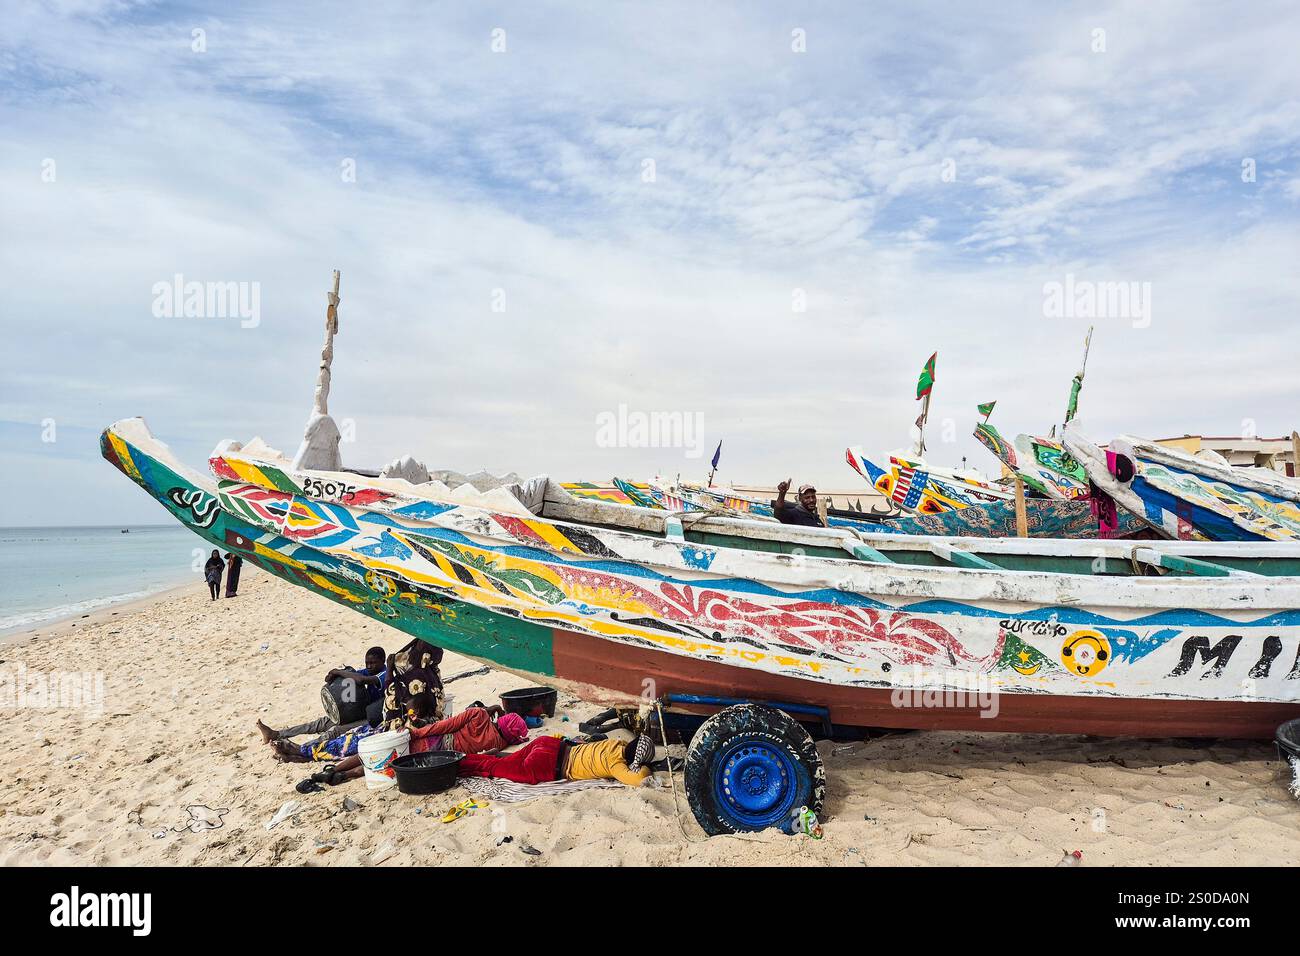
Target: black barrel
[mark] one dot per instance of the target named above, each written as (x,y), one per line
(344,700)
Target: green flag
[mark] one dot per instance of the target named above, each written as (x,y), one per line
(1074,398)
(986,409)
(926,381)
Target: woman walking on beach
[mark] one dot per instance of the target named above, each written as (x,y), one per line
(233,563)
(212,574)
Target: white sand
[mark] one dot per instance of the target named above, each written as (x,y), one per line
(186,679)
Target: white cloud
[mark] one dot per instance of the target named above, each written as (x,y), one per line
(523,171)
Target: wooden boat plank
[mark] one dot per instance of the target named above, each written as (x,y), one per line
(1186,565)
(962,558)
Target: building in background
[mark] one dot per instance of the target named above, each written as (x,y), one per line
(1279,454)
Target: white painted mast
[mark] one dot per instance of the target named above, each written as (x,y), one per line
(319,450)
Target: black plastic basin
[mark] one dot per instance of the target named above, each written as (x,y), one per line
(430,772)
(530,701)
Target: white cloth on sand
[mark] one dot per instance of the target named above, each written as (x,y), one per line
(506,791)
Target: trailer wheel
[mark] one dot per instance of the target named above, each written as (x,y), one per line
(749,767)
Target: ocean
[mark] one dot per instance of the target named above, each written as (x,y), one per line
(49,573)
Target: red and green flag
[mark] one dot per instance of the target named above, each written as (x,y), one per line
(926,381)
(986,409)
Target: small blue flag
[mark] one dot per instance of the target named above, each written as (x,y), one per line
(717,455)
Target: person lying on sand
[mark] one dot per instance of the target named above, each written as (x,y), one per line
(471,731)
(554,758)
(323,730)
(336,748)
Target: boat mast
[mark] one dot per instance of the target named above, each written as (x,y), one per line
(319,450)
(1072,408)
(920,426)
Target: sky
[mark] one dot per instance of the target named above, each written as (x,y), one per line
(758,218)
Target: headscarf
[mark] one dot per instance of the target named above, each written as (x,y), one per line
(642,753)
(513,728)
(415,670)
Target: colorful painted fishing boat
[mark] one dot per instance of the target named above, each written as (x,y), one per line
(601,492)
(1187,497)
(922,489)
(1042,464)
(599,598)
(1044,519)
(622,605)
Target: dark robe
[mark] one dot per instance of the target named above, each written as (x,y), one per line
(212,571)
(233,563)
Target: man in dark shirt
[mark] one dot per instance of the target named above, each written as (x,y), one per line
(805,512)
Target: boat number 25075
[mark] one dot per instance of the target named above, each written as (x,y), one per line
(318,488)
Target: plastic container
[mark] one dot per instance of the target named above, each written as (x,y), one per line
(430,772)
(1287,739)
(530,701)
(377,753)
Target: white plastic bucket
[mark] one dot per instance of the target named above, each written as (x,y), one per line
(377,753)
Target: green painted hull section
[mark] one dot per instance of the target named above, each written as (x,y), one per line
(454,625)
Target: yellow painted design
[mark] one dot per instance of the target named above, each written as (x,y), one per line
(124,456)
(250,473)
(1086,653)
(1024,667)
(552,536)
(322,581)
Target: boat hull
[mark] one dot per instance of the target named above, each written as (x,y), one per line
(616,616)
(583,664)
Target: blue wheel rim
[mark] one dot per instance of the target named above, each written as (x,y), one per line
(754,782)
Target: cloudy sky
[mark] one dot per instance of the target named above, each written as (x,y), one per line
(763,216)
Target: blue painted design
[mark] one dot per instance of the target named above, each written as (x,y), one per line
(699,558)
(423,510)
(341,516)
(1130,647)
(1210,523)
(386,546)
(919,480)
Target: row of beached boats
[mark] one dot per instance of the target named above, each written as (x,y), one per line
(696,593)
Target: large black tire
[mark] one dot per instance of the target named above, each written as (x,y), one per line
(749,767)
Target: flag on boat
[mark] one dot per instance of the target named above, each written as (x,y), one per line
(986,409)
(717,455)
(1073,408)
(926,381)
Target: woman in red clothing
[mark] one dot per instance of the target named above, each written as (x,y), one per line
(471,731)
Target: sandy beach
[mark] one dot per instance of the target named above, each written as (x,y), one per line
(186,678)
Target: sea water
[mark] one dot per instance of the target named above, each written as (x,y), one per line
(50,573)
